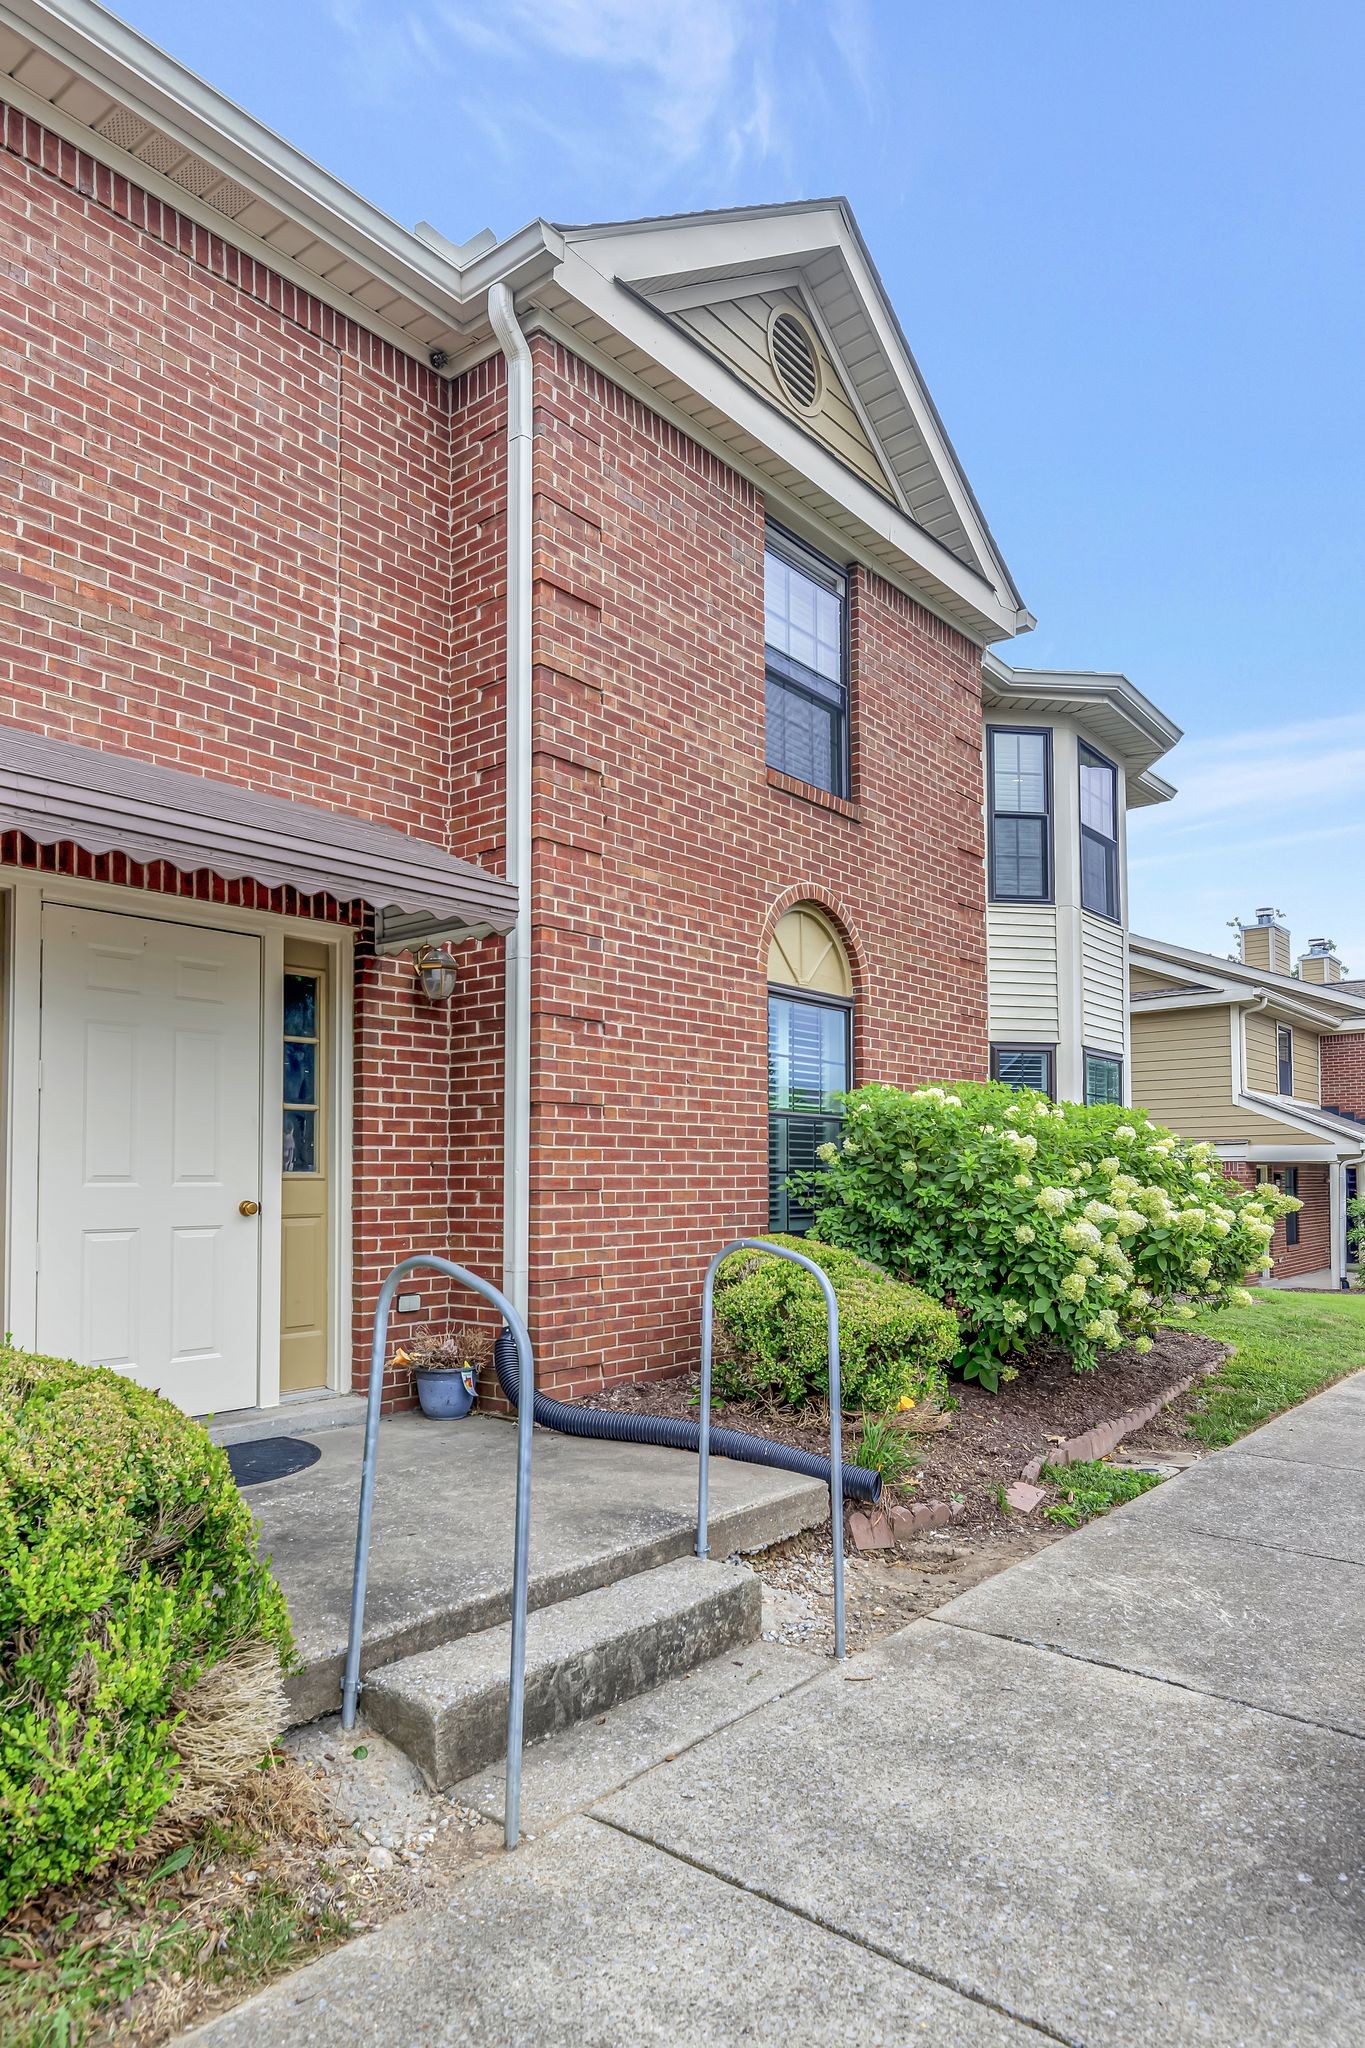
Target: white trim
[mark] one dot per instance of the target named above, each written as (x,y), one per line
(1261,1152)
(26,895)
(716,384)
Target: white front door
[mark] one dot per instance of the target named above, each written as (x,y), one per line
(149,1140)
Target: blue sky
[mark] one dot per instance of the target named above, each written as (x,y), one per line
(1126,245)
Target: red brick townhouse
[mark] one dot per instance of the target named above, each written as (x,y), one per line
(491,738)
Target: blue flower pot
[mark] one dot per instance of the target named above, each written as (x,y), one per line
(444,1394)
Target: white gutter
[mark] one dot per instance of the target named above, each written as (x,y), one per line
(516,1141)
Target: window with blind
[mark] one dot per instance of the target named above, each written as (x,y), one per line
(1023,1066)
(1019,773)
(806,660)
(1103,1080)
(809,1060)
(1099,835)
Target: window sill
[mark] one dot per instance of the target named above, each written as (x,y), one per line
(809,793)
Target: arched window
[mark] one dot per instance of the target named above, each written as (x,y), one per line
(810,1052)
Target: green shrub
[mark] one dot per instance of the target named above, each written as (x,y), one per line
(1037,1220)
(127,1577)
(893,1340)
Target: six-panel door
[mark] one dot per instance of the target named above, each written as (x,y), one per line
(149,1143)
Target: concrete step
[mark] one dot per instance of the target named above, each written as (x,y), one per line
(448,1707)
(441,1559)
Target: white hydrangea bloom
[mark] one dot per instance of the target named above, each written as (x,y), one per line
(1054,1201)
(1125,1132)
(1201,1268)
(1100,1212)
(1080,1237)
(1024,1233)
(1072,1285)
(1023,1180)
(1139,1298)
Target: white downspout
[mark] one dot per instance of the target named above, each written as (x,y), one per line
(516,1141)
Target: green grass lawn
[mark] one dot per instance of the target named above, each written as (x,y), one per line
(1288,1347)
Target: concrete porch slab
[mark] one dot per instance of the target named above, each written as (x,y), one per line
(1152,1596)
(441,1560)
(1106,1858)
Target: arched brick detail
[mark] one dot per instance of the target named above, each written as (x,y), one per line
(840,916)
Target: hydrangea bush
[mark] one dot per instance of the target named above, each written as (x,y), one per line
(1038,1220)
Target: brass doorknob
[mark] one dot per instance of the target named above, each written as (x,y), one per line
(248,1208)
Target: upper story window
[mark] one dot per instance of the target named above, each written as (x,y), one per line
(805,604)
(1019,776)
(1099,835)
(1284,1058)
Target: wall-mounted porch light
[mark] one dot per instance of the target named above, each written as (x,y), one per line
(437,972)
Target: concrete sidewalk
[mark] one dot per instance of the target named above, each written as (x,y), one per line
(1115,1795)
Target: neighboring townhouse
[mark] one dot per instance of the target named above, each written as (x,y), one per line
(1244,1054)
(1067,755)
(491,746)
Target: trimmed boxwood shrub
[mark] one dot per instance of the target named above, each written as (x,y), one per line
(127,1576)
(1038,1220)
(774,1338)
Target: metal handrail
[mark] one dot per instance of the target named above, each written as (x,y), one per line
(836,1455)
(516,1695)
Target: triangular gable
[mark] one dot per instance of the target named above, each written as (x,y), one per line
(716,275)
(740,331)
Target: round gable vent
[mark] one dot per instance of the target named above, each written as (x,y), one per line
(791,346)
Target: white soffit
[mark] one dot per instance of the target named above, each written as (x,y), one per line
(99,85)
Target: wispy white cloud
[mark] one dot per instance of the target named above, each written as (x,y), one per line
(637,88)
(1270,814)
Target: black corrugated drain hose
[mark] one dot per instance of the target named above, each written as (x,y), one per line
(676,1433)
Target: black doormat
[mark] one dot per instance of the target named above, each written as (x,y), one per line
(271,1457)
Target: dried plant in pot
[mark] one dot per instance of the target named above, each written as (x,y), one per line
(445,1367)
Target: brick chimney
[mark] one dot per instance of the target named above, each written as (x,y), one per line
(1266,943)
(1320,962)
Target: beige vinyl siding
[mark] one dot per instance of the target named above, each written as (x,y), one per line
(1182,1075)
(1263,1061)
(1021,950)
(1143,982)
(737,332)
(1102,1001)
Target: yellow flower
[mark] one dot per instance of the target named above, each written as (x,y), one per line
(905,1403)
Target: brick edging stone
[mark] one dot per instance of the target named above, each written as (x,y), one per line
(1099,1441)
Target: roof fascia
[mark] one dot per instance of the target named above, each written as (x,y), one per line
(1311,999)
(129,67)
(1076,689)
(1345,1143)
(621,307)
(797,234)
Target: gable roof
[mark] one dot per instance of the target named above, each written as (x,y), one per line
(1202,977)
(702,274)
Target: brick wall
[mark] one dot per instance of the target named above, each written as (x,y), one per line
(666,853)
(1343,1072)
(1313,1252)
(225,545)
(244,537)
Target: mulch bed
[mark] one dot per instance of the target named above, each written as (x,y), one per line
(992,1436)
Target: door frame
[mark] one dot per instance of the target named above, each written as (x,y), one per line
(24,896)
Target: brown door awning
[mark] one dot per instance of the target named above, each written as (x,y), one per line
(54,791)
